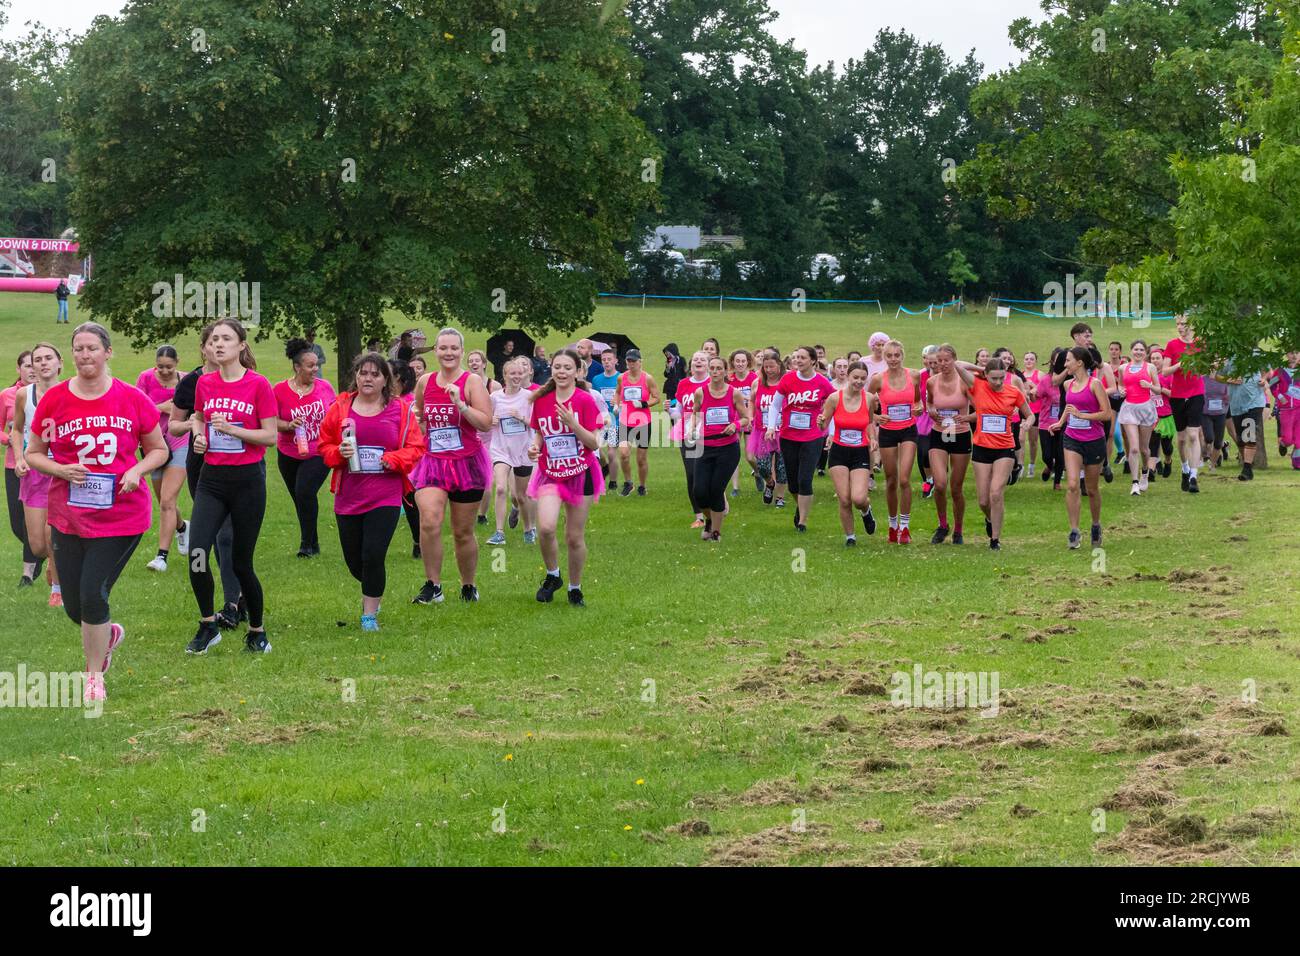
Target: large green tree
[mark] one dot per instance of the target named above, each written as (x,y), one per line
(1108,92)
(441,158)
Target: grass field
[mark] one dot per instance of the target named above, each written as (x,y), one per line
(766,735)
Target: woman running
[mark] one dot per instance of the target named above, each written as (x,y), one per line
(371,440)
(476,361)
(234,610)
(159,384)
(718,414)
(948,404)
(453,407)
(1087,409)
(876,365)
(899,392)
(1166,430)
(12,440)
(99,504)
(994,399)
(637,394)
(34,485)
(235,423)
(510,442)
(301,402)
(743,378)
(849,410)
(689,449)
(924,424)
(793,416)
(765,451)
(1016,378)
(1137,414)
(839,376)
(1214,422)
(1047,411)
(1284,382)
(566,432)
(1033,378)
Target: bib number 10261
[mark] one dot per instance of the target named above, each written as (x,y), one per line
(96,449)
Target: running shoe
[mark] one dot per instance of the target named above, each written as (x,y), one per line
(1107,473)
(56,599)
(759,483)
(1046,475)
(1119,456)
(1015,475)
(995,545)
(115,634)
(25,582)
(940,534)
(780,502)
(1187,477)
(821,472)
(429,594)
(94,689)
(640,491)
(1151,475)
(159,564)
(513,519)
(869,521)
(611,485)
(1136,489)
(1247,472)
(1193,487)
(1031,469)
(469,593)
(1096,536)
(530,536)
(227,619)
(988,529)
(482,519)
(905,536)
(697,523)
(1076,539)
(801,528)
(1281,450)
(369,622)
(1128,467)
(255,642)
(498,537)
(927,488)
(205,638)
(1143,484)
(957,538)
(575,597)
(183,538)
(550,584)
(415,552)
(893,535)
(626,491)
(767,494)
(850,541)
(304,552)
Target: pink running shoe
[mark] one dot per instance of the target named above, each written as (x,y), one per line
(56,599)
(94,689)
(115,634)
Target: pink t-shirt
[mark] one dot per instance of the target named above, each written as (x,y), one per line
(159,393)
(104,435)
(801,403)
(311,406)
(245,402)
(6,419)
(511,435)
(1163,408)
(1186,383)
(563,454)
(359,492)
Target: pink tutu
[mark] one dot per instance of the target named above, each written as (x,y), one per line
(471,473)
(569,489)
(34,489)
(759,446)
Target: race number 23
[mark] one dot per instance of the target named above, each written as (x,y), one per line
(96,449)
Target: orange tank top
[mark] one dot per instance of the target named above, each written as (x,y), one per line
(852,428)
(896,403)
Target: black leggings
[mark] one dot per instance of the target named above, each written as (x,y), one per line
(1158,442)
(365,539)
(17,519)
(303,477)
(236,492)
(923,454)
(1050,445)
(801,462)
(88,569)
(412,517)
(225,543)
(713,473)
(690,459)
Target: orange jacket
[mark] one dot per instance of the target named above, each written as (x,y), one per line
(401,459)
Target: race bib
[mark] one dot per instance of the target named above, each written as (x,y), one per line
(1160,402)
(801,420)
(746,391)
(1055,412)
(1215,406)
(513,426)
(445,439)
(851,436)
(1294,393)
(632,393)
(717,415)
(947,414)
(224,444)
(96,492)
(371,459)
(993,424)
(559,447)
(1079,424)
(608,394)
(899,413)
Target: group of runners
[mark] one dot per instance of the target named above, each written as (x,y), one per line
(437,438)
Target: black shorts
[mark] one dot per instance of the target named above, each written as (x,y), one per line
(851,457)
(1092,452)
(1188,411)
(1249,423)
(523,471)
(953,443)
(893,437)
(638,436)
(987,456)
(467,496)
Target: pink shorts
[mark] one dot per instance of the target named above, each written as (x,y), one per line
(1288,424)
(34,489)
(571,490)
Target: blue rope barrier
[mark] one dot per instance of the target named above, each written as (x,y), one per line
(734,298)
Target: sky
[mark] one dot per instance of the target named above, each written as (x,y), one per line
(827,29)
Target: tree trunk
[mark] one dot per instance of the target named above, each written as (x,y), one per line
(347,331)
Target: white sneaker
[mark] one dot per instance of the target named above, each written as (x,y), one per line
(1031,469)
(183,540)
(159,564)
(1142,483)
(1136,490)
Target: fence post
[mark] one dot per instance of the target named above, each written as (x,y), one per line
(719,303)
